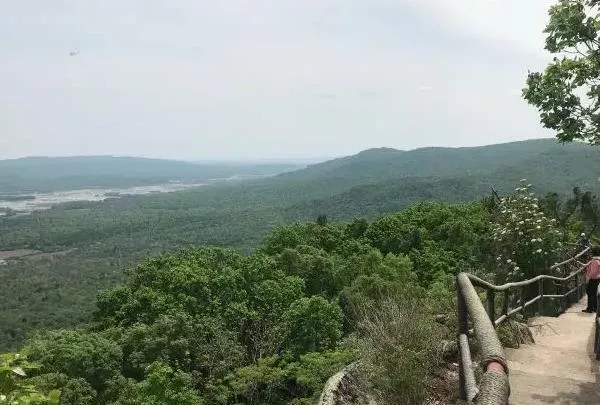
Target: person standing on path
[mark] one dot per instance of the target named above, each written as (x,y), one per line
(583,244)
(592,276)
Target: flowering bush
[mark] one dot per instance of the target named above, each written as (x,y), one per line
(527,242)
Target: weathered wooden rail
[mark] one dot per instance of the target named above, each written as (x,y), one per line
(494,386)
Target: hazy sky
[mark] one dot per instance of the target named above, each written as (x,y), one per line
(264,78)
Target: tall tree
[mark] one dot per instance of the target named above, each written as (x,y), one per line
(567,93)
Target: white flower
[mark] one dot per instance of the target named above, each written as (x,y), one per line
(517,268)
(538,227)
(509,261)
(498,258)
(538,251)
(521,222)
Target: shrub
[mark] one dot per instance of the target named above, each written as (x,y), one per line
(399,349)
(527,241)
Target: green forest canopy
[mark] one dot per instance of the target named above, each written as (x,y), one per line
(100,239)
(213,326)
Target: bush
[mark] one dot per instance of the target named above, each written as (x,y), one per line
(527,241)
(399,349)
(15,388)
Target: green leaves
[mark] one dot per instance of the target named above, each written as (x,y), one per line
(570,25)
(527,241)
(162,386)
(16,389)
(78,355)
(211,325)
(566,94)
(311,325)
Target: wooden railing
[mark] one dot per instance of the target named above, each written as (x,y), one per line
(494,386)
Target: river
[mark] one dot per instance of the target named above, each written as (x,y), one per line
(48,200)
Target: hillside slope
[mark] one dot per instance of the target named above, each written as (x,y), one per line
(103,238)
(390,179)
(44,174)
(533,159)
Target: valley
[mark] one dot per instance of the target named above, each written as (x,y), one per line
(67,251)
(25,204)
(106,235)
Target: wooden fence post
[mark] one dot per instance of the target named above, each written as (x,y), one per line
(491,306)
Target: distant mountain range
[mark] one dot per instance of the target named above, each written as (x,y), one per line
(44,174)
(546,163)
(105,237)
(372,181)
(381,180)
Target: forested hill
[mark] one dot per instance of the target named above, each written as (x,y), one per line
(544,161)
(377,181)
(44,174)
(97,240)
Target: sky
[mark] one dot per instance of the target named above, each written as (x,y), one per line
(264,79)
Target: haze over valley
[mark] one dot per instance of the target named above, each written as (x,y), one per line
(273,202)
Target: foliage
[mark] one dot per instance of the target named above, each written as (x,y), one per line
(439,238)
(399,350)
(580,213)
(15,388)
(162,386)
(77,354)
(214,325)
(85,246)
(311,325)
(271,379)
(221,327)
(567,93)
(527,241)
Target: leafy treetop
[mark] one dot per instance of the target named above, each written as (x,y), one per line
(567,93)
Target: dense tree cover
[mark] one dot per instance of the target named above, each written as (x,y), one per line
(567,93)
(575,214)
(212,325)
(101,238)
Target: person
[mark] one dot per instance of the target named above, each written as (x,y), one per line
(582,245)
(592,276)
